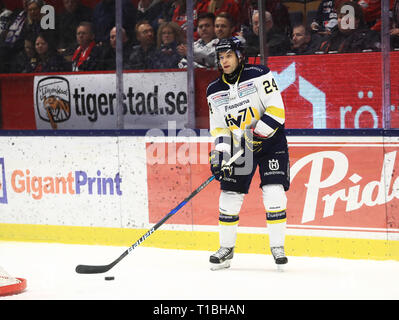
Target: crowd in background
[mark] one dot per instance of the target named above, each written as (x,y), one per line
(154,32)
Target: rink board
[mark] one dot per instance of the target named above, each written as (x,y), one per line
(343,200)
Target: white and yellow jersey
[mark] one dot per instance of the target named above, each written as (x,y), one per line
(254,101)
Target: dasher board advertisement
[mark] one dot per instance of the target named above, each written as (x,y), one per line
(341,186)
(343,200)
(88,101)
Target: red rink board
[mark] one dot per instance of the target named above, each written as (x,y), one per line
(337,185)
(346,88)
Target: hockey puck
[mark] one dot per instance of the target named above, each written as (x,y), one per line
(109,278)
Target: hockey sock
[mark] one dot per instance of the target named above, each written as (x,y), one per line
(275,201)
(228,230)
(276,225)
(229,207)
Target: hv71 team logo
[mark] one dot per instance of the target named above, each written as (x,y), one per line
(3,188)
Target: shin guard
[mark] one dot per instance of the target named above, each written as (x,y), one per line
(275,202)
(229,208)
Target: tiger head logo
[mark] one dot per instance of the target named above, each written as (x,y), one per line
(57,110)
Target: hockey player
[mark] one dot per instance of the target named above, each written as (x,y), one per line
(246,108)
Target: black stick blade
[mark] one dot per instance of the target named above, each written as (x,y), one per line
(92,269)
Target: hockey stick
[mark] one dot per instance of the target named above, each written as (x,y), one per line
(101,269)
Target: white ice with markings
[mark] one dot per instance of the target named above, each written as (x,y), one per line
(152,274)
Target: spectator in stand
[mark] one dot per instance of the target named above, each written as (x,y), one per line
(5,16)
(395,26)
(46,58)
(223,6)
(141,56)
(23,58)
(107,59)
(225,26)
(278,43)
(166,56)
(104,19)
(326,17)
(372,12)
(32,27)
(150,10)
(180,16)
(204,48)
(169,9)
(12,34)
(303,41)
(12,41)
(345,39)
(279,12)
(86,55)
(67,22)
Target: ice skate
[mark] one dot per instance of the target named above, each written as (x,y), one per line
(221,259)
(279,257)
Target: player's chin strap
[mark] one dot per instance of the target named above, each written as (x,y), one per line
(234,76)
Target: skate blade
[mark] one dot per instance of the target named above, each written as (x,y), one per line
(220,266)
(280,267)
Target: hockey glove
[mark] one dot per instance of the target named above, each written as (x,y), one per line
(218,160)
(252,141)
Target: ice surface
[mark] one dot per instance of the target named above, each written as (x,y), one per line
(158,274)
